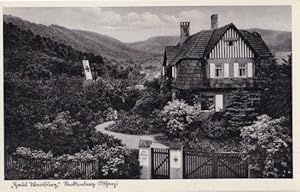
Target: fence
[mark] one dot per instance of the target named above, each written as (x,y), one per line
(197,165)
(43,169)
(178,163)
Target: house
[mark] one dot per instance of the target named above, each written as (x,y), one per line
(215,62)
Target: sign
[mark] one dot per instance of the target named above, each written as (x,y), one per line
(87,70)
(176,159)
(145,143)
(144,157)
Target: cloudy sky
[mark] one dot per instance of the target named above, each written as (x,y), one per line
(139,23)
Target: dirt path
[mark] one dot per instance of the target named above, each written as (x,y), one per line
(131,141)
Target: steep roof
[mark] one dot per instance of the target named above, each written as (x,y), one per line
(257,43)
(199,45)
(171,52)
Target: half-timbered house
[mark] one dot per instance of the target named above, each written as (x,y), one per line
(214,62)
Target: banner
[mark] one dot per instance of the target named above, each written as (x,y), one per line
(87,70)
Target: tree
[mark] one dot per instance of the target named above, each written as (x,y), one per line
(239,113)
(268,146)
(276,98)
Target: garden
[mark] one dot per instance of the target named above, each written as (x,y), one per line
(262,133)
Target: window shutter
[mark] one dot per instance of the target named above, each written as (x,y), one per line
(175,72)
(212,70)
(235,70)
(172,71)
(218,102)
(250,69)
(226,70)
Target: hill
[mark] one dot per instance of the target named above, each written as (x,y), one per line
(81,40)
(36,56)
(155,45)
(277,41)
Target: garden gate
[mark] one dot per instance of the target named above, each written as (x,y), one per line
(197,165)
(160,168)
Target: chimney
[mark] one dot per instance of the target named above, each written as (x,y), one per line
(214,21)
(184,31)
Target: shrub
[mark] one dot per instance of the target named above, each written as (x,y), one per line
(114,162)
(130,123)
(268,145)
(65,134)
(214,128)
(151,99)
(109,114)
(178,116)
(145,106)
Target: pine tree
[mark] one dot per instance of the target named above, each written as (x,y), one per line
(239,113)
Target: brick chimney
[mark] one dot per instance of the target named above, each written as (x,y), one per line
(214,21)
(184,31)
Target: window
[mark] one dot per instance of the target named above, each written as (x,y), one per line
(207,102)
(219,70)
(242,70)
(230,43)
(254,100)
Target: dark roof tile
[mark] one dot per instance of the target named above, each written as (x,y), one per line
(199,45)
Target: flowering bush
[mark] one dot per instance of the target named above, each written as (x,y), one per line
(130,123)
(113,162)
(109,114)
(268,145)
(35,154)
(178,116)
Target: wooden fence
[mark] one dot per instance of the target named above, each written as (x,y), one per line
(197,165)
(36,168)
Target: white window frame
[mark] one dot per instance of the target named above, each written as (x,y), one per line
(245,70)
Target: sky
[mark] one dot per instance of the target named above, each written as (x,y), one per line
(131,24)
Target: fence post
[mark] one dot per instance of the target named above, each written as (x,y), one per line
(145,158)
(214,165)
(176,161)
(249,171)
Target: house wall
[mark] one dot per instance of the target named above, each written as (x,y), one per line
(190,74)
(226,95)
(230,81)
(230,61)
(238,49)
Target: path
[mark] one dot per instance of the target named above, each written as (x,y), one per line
(131,141)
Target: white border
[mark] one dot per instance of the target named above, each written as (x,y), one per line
(180,185)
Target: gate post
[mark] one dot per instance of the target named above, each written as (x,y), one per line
(145,158)
(214,165)
(176,161)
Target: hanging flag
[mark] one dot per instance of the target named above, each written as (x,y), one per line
(87,70)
